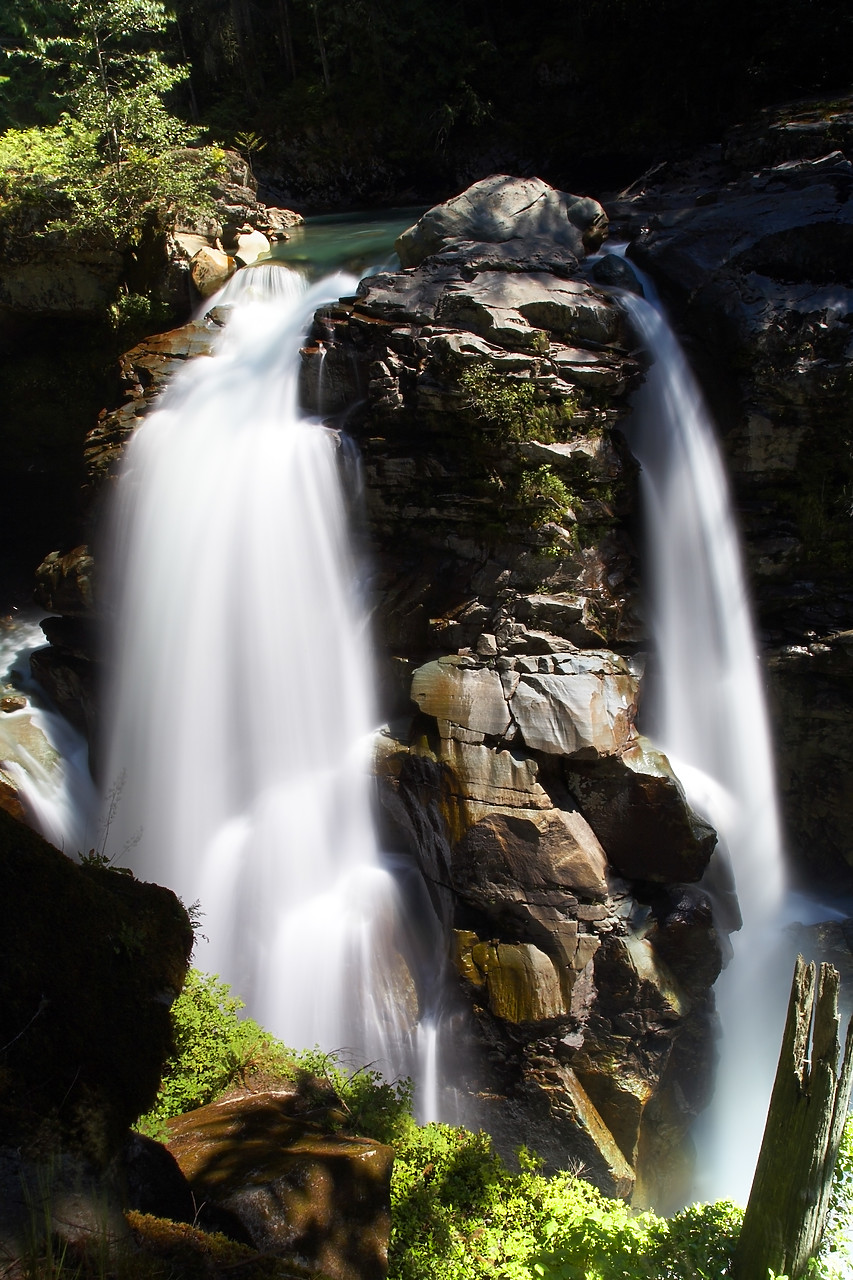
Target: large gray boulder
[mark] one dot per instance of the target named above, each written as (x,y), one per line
(502,208)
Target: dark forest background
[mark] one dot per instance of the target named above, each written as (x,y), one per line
(409,99)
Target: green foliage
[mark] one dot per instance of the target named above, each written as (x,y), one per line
(542,491)
(109,75)
(213,1048)
(113,160)
(458,1213)
(55,180)
(510,405)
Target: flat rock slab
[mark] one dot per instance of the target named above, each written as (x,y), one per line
(586,708)
(320,1199)
(497,304)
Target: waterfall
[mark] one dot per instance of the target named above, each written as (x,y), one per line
(706,710)
(46,757)
(241,704)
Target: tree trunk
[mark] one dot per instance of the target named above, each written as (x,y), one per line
(286,39)
(786,1213)
(321,46)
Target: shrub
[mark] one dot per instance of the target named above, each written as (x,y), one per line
(56,179)
(213,1048)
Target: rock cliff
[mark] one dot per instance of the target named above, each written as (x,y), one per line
(490,377)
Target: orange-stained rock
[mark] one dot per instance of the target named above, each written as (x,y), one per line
(320,1199)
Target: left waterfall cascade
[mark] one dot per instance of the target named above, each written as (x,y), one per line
(241,709)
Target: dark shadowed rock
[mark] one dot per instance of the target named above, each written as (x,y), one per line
(638,810)
(299,1192)
(90,962)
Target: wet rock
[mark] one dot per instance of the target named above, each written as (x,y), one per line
(23,748)
(554,850)
(521,983)
(637,808)
(64,583)
(299,1192)
(612,270)
(152,1182)
(559,1089)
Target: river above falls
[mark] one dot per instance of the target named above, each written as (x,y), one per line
(356,242)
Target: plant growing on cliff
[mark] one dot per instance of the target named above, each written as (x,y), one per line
(511,405)
(544,495)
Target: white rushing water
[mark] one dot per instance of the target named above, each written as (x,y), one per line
(242,706)
(707,711)
(45,756)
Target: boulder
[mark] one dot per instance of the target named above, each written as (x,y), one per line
(64,583)
(554,850)
(320,1199)
(209,270)
(520,981)
(637,808)
(250,245)
(462,697)
(503,208)
(576,710)
(90,962)
(54,280)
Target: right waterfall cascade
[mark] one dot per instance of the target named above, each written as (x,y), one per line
(705,708)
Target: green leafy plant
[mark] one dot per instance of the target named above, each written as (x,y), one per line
(546,496)
(114,160)
(213,1048)
(249,143)
(458,1211)
(511,404)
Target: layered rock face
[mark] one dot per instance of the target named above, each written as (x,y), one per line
(751,244)
(490,377)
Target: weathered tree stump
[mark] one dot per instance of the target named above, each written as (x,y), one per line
(787,1207)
